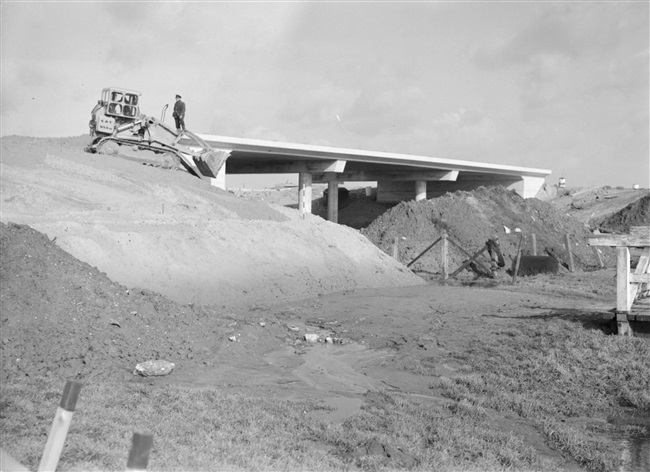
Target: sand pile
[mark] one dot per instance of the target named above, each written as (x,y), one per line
(174,234)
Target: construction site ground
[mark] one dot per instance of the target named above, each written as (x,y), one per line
(106,263)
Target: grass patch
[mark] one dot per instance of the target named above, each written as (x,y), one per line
(550,371)
(205,429)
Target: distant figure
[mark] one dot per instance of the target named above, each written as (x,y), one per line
(179,114)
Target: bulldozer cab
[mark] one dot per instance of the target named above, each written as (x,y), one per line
(121,103)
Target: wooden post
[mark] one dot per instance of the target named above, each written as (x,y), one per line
(444,251)
(598,256)
(533,241)
(304,192)
(627,284)
(514,274)
(60,425)
(395,247)
(140,448)
(567,240)
(623,302)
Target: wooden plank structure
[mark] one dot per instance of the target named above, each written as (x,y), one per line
(472,259)
(632,288)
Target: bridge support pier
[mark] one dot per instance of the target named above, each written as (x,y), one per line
(420,190)
(333,201)
(304,192)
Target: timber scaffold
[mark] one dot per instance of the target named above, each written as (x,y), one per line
(632,287)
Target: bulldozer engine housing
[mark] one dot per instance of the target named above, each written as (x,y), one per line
(117,119)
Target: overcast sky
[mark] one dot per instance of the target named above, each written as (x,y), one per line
(562,86)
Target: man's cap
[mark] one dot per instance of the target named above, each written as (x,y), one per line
(178,96)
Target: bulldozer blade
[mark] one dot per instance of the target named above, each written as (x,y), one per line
(210,163)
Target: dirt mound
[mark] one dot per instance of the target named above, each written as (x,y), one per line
(593,205)
(177,235)
(470,219)
(635,214)
(60,316)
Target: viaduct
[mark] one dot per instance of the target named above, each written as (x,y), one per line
(399,177)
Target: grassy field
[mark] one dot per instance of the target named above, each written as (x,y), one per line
(564,379)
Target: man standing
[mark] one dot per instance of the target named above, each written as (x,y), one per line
(179,114)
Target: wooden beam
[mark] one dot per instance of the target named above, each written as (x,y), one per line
(426,250)
(619,240)
(469,261)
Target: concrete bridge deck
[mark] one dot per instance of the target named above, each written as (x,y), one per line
(399,177)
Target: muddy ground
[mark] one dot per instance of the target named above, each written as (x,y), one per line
(106,263)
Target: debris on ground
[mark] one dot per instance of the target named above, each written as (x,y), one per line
(154,368)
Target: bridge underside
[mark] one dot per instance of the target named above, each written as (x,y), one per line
(399,177)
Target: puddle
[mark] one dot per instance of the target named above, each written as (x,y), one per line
(329,369)
(344,373)
(343,407)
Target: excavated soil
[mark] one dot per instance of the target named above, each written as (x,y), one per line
(471,218)
(105,263)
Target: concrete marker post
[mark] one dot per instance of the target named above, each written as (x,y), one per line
(60,426)
(141,445)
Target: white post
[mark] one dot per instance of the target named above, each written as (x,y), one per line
(623,302)
(60,426)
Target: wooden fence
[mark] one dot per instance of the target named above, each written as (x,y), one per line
(631,287)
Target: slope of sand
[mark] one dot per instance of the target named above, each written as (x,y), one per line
(172,233)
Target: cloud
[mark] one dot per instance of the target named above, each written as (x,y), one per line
(548,34)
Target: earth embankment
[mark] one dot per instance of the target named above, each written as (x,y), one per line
(177,235)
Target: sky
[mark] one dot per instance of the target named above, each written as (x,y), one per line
(554,85)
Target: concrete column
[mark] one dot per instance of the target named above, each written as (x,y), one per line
(333,201)
(304,192)
(420,190)
(220,181)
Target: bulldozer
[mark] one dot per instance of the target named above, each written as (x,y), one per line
(116,120)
